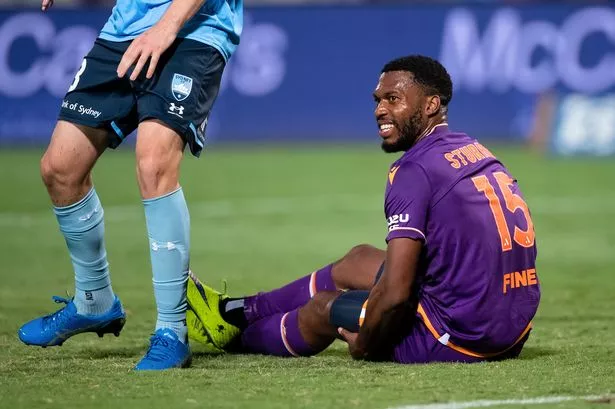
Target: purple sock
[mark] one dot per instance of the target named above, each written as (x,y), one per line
(289,297)
(277,335)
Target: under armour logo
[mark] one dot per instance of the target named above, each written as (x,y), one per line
(88,216)
(176,108)
(168,245)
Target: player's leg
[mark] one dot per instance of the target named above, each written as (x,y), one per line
(357,270)
(95,113)
(159,152)
(312,328)
(173,108)
(318,320)
(67,163)
(223,317)
(304,331)
(65,169)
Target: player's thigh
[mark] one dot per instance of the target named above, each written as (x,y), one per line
(97,98)
(358,269)
(183,90)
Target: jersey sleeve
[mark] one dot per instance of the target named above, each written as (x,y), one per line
(407,203)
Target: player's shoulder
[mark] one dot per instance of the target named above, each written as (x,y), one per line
(407,164)
(406,172)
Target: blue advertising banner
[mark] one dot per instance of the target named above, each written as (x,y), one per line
(307,74)
(583,125)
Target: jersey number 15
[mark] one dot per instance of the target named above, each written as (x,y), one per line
(524,238)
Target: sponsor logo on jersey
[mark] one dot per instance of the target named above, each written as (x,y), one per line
(394,221)
(392,173)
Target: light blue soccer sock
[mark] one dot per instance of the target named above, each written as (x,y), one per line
(168,227)
(83,228)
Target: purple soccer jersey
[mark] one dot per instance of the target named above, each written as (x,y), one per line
(478,289)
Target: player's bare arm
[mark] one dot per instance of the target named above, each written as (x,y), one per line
(151,44)
(388,301)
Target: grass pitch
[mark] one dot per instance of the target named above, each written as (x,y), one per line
(263,217)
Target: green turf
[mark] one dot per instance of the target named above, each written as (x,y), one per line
(261,217)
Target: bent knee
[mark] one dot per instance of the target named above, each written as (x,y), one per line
(57,172)
(49,170)
(150,167)
(358,268)
(361,251)
(156,175)
(158,168)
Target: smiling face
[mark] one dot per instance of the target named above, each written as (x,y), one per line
(401,111)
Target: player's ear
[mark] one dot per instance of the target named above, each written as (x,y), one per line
(433,105)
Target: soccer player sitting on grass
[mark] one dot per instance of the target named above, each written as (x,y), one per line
(457,281)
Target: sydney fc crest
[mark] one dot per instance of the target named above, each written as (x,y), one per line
(181,86)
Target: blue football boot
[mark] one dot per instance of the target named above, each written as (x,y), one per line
(165,351)
(54,329)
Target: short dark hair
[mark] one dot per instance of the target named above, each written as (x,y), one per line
(429,73)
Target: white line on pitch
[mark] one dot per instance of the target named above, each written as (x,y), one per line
(489,403)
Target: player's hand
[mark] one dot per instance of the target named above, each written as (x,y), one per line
(46,4)
(351,339)
(148,46)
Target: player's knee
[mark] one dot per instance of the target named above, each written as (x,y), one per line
(47,171)
(357,269)
(57,173)
(155,176)
(157,170)
(360,252)
(149,168)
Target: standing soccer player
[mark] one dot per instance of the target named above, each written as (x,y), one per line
(457,281)
(155,68)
